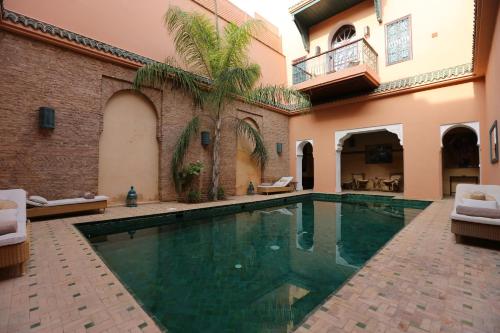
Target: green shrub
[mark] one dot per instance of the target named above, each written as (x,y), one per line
(221,194)
(193,196)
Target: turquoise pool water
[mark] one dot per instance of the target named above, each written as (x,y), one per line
(252,271)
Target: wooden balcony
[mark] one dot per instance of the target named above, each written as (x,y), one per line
(343,71)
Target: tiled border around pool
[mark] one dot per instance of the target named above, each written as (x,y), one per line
(422,282)
(140,222)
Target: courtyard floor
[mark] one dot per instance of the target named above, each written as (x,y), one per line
(422,281)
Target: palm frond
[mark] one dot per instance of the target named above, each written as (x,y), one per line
(280,96)
(195,39)
(236,41)
(237,81)
(259,153)
(181,148)
(156,74)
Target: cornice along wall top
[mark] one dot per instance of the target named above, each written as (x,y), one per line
(73,37)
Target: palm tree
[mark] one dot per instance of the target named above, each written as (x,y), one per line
(215,71)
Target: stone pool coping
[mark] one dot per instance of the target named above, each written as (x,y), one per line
(68,288)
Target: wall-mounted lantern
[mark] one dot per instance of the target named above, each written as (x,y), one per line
(47,117)
(279,148)
(205,138)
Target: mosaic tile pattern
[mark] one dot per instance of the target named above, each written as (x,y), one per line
(422,281)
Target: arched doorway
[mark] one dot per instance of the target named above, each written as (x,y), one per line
(375,157)
(387,135)
(460,157)
(304,165)
(307,167)
(128,148)
(247,169)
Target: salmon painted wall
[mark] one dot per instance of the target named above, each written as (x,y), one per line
(492,171)
(421,114)
(451,20)
(137,26)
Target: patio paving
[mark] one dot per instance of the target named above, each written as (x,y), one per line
(422,281)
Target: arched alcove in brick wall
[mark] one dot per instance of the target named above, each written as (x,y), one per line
(247,169)
(129,148)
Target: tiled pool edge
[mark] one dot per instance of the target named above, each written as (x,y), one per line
(480,266)
(368,262)
(236,207)
(232,208)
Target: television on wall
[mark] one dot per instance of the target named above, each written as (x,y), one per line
(378,154)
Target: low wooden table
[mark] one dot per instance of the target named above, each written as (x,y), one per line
(463,180)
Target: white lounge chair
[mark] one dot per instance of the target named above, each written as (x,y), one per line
(473,224)
(282,185)
(65,206)
(14,246)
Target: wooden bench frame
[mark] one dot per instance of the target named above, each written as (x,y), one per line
(65,209)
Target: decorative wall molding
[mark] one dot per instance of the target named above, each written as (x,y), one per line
(341,136)
(473,125)
(425,78)
(299,145)
(73,37)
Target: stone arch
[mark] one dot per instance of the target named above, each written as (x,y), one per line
(474,126)
(247,169)
(299,149)
(342,136)
(129,149)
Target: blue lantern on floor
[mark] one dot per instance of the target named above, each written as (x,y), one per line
(131,197)
(250,189)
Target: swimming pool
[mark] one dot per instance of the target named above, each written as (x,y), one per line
(257,268)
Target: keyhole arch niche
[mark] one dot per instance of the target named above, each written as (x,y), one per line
(129,147)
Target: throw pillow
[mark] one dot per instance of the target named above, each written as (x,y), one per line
(7,204)
(39,199)
(8,221)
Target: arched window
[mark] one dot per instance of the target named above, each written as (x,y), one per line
(344,54)
(343,35)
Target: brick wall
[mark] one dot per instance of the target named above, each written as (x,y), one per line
(64,162)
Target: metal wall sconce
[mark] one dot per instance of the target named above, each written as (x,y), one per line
(47,117)
(205,138)
(279,148)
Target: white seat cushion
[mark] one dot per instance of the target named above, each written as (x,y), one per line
(479,203)
(19,197)
(73,201)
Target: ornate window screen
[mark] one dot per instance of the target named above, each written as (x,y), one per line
(398,40)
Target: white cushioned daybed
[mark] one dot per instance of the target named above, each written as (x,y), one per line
(475,224)
(282,185)
(64,206)
(14,246)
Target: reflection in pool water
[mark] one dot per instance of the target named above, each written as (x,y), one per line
(257,271)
